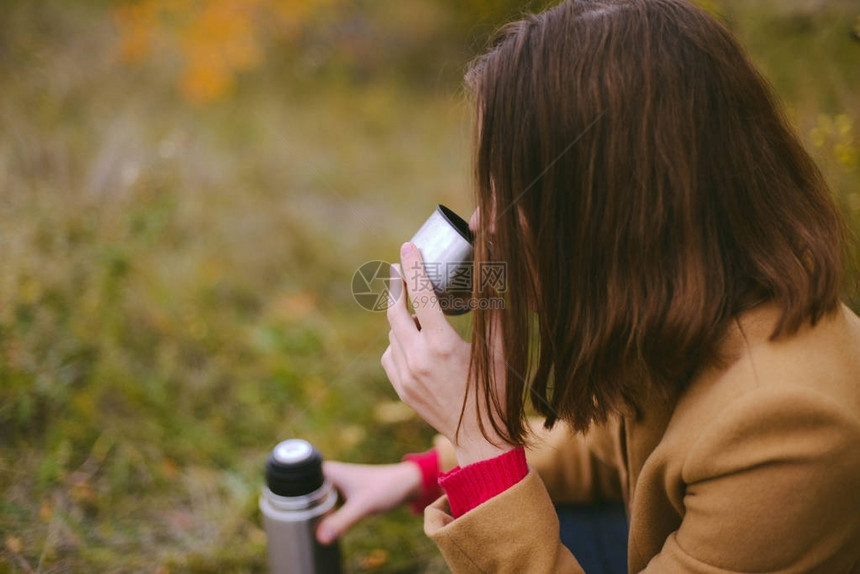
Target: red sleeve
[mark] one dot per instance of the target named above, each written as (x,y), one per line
(428,464)
(474,484)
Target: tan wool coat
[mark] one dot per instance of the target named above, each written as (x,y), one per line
(755,467)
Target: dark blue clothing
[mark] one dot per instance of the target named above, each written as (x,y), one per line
(597,536)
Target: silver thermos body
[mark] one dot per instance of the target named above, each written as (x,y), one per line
(295,498)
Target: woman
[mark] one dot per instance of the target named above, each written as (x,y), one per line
(671,312)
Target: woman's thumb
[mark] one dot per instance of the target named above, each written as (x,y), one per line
(334,525)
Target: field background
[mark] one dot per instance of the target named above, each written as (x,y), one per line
(186,189)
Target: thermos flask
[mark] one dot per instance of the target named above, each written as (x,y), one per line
(295,498)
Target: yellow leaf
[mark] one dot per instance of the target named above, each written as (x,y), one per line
(393,412)
(294,306)
(46,512)
(13,544)
(351,435)
(845,155)
(374,559)
(206,78)
(818,137)
(844,125)
(169,468)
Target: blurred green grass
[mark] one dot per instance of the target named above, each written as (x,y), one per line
(175,287)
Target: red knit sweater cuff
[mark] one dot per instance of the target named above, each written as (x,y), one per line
(428,464)
(476,483)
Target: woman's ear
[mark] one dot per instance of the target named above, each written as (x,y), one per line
(475,220)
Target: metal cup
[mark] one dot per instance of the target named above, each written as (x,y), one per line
(445,242)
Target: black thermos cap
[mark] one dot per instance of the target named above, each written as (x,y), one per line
(294,468)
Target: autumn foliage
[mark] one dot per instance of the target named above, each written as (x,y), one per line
(214,39)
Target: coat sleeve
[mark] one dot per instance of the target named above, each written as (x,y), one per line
(772,485)
(574,468)
(516,531)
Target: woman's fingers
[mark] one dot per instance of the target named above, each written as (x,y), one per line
(335,524)
(398,356)
(420,289)
(366,489)
(426,361)
(337,473)
(344,478)
(389,367)
(399,318)
(398,372)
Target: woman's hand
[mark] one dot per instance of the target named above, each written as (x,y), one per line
(427,363)
(366,489)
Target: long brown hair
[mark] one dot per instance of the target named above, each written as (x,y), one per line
(644,189)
